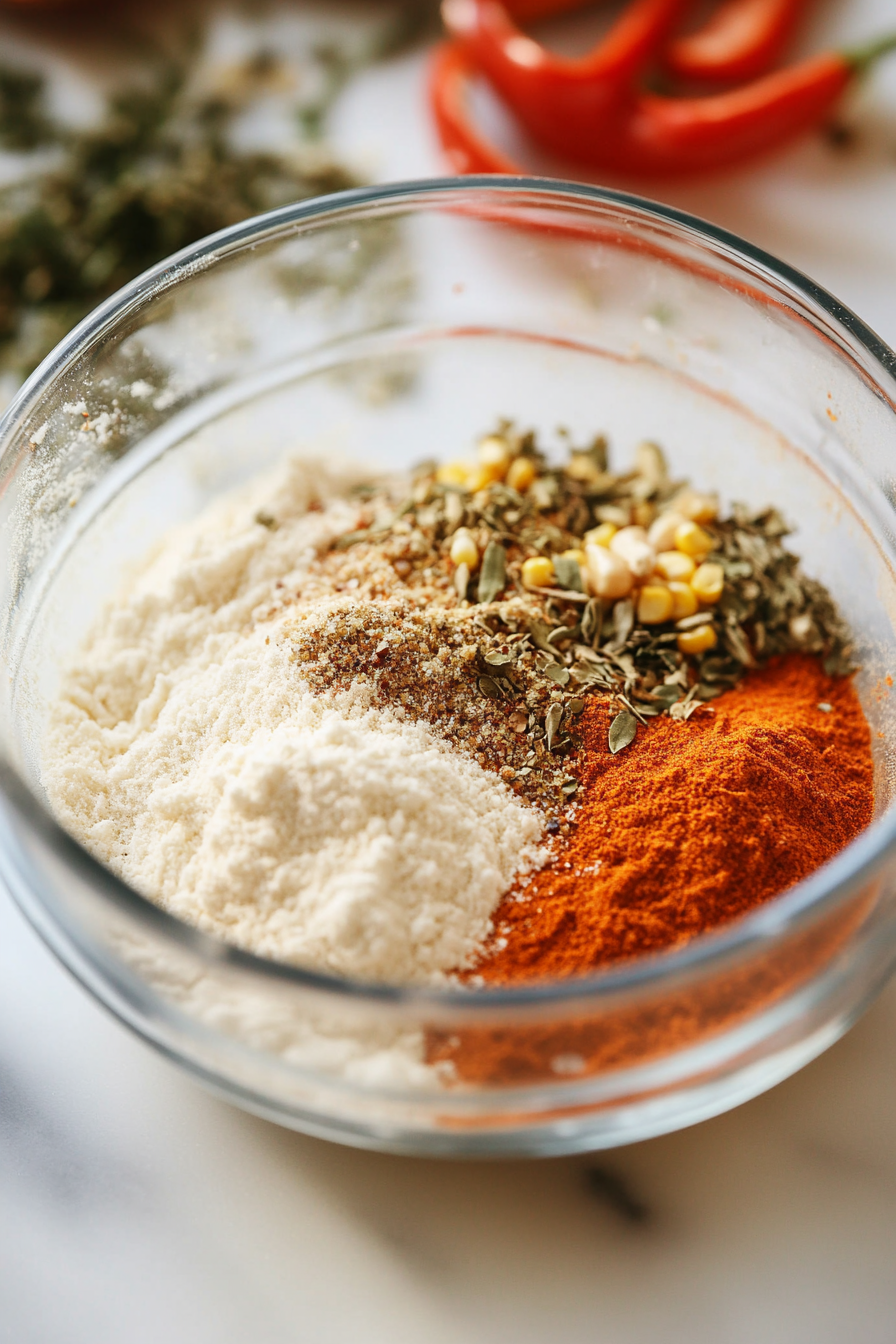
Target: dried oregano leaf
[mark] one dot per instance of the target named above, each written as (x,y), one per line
(563,633)
(556,673)
(538,632)
(498,664)
(622,731)
(738,645)
(623,619)
(493,574)
(569,575)
(552,723)
(489,688)
(592,620)
(666,695)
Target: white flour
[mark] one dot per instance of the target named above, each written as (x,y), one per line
(189,756)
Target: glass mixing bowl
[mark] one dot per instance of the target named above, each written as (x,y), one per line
(394,324)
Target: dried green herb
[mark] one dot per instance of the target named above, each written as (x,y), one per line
(490,688)
(498,664)
(623,621)
(160,170)
(493,573)
(592,622)
(557,673)
(569,575)
(551,724)
(23,121)
(622,731)
(666,696)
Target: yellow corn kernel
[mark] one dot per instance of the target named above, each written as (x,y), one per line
(464,550)
(662,531)
(602,535)
(684,600)
(692,540)
(608,575)
(708,583)
(655,604)
(575,554)
(697,641)
(644,513)
(478,477)
(675,565)
(453,473)
(699,508)
(538,572)
(521,473)
(495,456)
(486,473)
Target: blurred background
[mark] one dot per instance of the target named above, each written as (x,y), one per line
(134,1206)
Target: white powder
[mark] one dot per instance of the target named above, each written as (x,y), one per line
(188,755)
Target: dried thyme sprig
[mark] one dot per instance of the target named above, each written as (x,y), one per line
(542,649)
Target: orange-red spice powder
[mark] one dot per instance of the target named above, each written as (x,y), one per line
(694,824)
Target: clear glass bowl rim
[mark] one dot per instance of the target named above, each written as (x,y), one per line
(818,893)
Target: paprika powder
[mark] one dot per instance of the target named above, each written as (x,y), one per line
(693,825)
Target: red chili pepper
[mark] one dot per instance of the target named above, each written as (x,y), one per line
(529,11)
(679,135)
(741,40)
(651,134)
(467,151)
(551,94)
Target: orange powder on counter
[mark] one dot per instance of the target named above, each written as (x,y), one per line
(692,825)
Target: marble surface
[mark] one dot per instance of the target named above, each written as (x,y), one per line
(134,1208)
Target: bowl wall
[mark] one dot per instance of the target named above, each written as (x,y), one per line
(391,326)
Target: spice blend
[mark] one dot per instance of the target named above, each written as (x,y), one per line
(653,689)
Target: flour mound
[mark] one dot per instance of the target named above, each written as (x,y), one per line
(361,846)
(188,754)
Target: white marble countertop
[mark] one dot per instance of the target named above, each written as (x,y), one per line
(137,1209)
